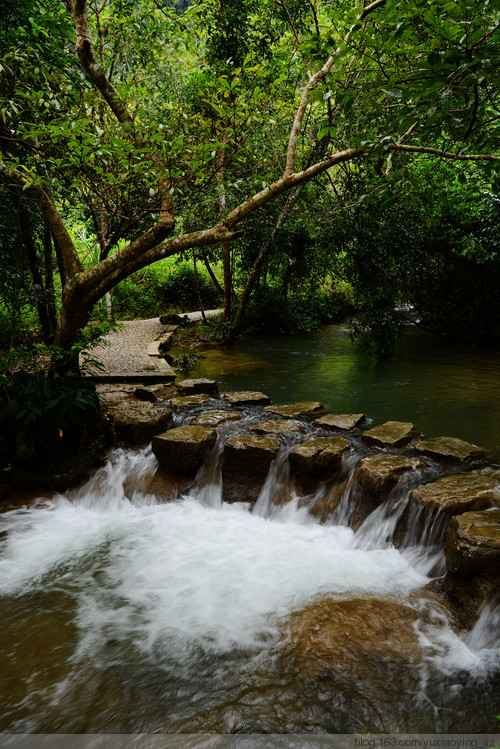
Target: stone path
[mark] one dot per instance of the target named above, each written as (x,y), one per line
(125,357)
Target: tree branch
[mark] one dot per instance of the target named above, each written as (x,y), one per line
(444,154)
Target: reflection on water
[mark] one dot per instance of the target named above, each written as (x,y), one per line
(443,389)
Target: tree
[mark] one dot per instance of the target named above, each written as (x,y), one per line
(386,74)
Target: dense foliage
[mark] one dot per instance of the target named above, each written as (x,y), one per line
(285,147)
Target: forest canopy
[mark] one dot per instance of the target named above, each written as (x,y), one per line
(297,144)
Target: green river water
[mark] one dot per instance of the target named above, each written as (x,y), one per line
(442,388)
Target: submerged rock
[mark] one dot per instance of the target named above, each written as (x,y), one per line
(247,398)
(316,460)
(307,408)
(184,449)
(202,385)
(214,418)
(449,449)
(278,427)
(358,641)
(378,474)
(189,400)
(391,434)
(136,422)
(461,492)
(340,422)
(245,465)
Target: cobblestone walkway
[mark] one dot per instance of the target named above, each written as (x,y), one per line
(125,352)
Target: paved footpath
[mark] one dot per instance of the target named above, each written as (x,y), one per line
(123,354)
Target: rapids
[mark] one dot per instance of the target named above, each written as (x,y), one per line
(124,613)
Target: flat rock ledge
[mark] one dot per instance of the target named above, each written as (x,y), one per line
(391,434)
(315,461)
(245,464)
(136,422)
(278,427)
(189,400)
(184,449)
(461,492)
(247,398)
(378,474)
(341,422)
(202,385)
(214,418)
(293,410)
(450,450)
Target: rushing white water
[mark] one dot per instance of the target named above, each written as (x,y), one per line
(174,584)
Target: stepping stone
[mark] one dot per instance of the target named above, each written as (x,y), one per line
(473,544)
(184,449)
(449,449)
(278,427)
(214,418)
(137,422)
(342,422)
(145,394)
(247,398)
(378,474)
(462,492)
(245,464)
(297,409)
(391,434)
(189,400)
(193,387)
(316,460)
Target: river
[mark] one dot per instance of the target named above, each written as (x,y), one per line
(125,613)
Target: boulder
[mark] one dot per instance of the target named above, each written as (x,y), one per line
(461,492)
(214,418)
(340,422)
(165,486)
(450,449)
(472,543)
(472,549)
(316,460)
(202,385)
(136,422)
(378,474)
(245,465)
(247,398)
(184,449)
(308,408)
(348,641)
(189,400)
(391,434)
(278,427)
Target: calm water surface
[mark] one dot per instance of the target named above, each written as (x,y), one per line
(442,388)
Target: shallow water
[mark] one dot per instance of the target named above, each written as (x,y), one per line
(442,389)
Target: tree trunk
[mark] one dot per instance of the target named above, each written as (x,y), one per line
(259,260)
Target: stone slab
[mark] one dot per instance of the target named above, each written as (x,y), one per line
(247,398)
(473,543)
(184,449)
(216,417)
(137,422)
(378,474)
(278,427)
(461,492)
(189,400)
(391,434)
(201,385)
(450,449)
(245,465)
(293,410)
(340,422)
(316,460)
